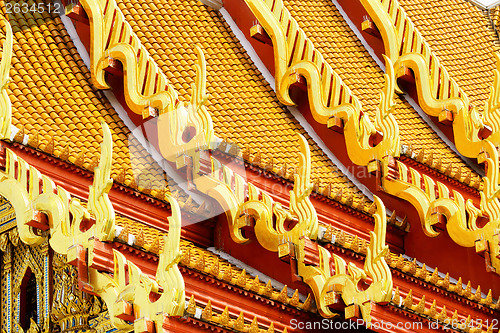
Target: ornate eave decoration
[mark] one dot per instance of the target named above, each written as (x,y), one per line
(437,92)
(439,95)
(299,246)
(295,55)
(107,23)
(32,202)
(5,105)
(330,100)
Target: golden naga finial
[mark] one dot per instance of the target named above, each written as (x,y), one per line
(119,292)
(330,100)
(20,184)
(300,205)
(5,105)
(186,130)
(99,203)
(239,211)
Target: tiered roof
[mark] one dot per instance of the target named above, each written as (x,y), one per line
(454,30)
(331,35)
(56,105)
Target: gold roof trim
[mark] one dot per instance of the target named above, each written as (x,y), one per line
(438,93)
(203,261)
(112,38)
(359,246)
(20,184)
(239,324)
(461,215)
(5,63)
(329,98)
(295,245)
(419,307)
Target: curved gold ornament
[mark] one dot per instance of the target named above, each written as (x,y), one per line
(376,268)
(268,218)
(329,97)
(5,104)
(437,92)
(136,290)
(20,184)
(99,203)
(145,86)
(461,216)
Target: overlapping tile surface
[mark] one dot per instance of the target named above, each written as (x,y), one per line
(331,35)
(52,97)
(243,106)
(459,34)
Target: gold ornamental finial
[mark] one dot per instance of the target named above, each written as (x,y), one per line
(5,63)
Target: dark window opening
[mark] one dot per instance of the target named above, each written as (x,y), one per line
(28,298)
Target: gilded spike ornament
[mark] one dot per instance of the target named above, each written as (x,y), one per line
(439,95)
(99,203)
(5,104)
(119,292)
(112,39)
(20,185)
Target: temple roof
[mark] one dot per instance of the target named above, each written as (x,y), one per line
(338,43)
(55,104)
(462,37)
(52,85)
(243,106)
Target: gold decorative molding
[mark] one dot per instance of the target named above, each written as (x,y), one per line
(56,204)
(112,39)
(461,216)
(344,283)
(297,246)
(182,130)
(438,94)
(20,185)
(99,204)
(330,99)
(127,293)
(5,105)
